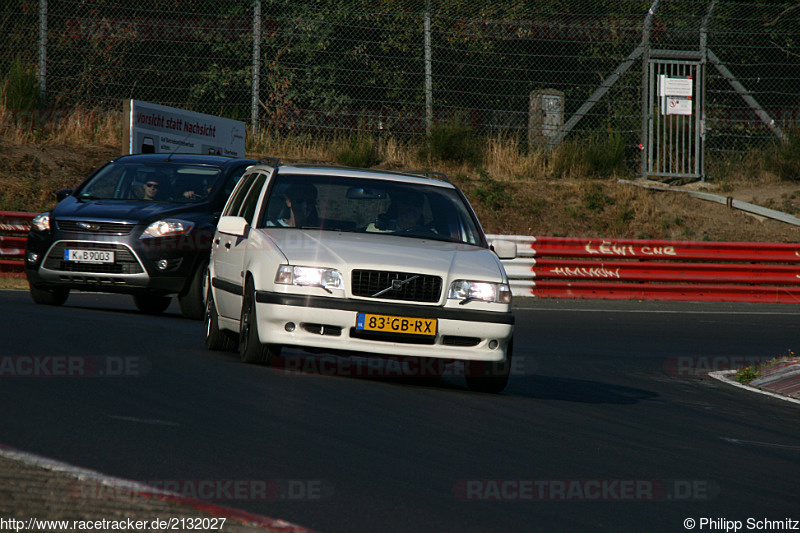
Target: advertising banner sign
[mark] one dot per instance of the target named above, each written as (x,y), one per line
(152,128)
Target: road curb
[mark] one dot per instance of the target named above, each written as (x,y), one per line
(725,376)
(782,377)
(147,502)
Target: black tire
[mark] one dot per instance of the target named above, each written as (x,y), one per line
(215,338)
(491,377)
(193,304)
(49,296)
(250,348)
(151,305)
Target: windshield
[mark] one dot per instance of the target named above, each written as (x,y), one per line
(370,206)
(157,182)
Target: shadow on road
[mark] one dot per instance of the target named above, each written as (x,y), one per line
(576,390)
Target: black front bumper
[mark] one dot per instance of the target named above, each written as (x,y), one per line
(135,268)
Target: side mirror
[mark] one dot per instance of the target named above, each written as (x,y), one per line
(63,193)
(504,249)
(233,226)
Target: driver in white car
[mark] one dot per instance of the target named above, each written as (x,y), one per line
(301,207)
(404,213)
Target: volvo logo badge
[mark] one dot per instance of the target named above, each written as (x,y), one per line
(396,285)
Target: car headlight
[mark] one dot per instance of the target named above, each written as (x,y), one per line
(41,222)
(327,278)
(468,291)
(167,228)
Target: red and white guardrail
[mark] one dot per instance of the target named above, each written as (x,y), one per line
(14,227)
(621,269)
(628,269)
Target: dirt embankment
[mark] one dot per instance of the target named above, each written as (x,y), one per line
(579,208)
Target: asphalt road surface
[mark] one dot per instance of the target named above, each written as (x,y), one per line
(607,424)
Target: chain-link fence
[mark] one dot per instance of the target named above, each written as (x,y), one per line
(404,66)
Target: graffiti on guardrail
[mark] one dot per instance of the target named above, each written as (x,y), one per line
(586,272)
(610,248)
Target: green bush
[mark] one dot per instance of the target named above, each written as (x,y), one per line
(747,374)
(567,159)
(595,199)
(453,142)
(493,194)
(784,158)
(599,155)
(357,151)
(605,155)
(20,88)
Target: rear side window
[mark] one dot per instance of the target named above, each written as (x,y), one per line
(239,195)
(232,180)
(251,200)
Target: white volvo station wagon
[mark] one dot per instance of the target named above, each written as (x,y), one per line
(359,262)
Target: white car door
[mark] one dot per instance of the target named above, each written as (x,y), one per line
(230,244)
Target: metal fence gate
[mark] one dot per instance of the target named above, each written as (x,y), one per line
(674,115)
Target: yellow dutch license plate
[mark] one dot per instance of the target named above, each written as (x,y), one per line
(396,324)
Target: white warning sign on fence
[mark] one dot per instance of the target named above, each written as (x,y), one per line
(152,128)
(675,94)
(678,106)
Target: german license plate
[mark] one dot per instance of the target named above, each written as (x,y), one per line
(396,324)
(88,256)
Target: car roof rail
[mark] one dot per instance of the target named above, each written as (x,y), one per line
(431,174)
(271,161)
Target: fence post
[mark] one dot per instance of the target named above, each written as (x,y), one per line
(702,89)
(646,153)
(42,52)
(428,74)
(254,101)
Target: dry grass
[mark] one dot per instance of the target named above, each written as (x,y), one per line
(13,283)
(507,158)
(43,152)
(389,151)
(90,127)
(61,126)
(295,148)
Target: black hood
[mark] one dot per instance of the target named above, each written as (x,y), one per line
(135,211)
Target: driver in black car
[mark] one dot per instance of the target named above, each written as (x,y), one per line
(152,190)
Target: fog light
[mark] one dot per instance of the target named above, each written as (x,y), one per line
(32,257)
(493,344)
(289,327)
(162,264)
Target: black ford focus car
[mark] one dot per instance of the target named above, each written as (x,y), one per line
(139,225)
